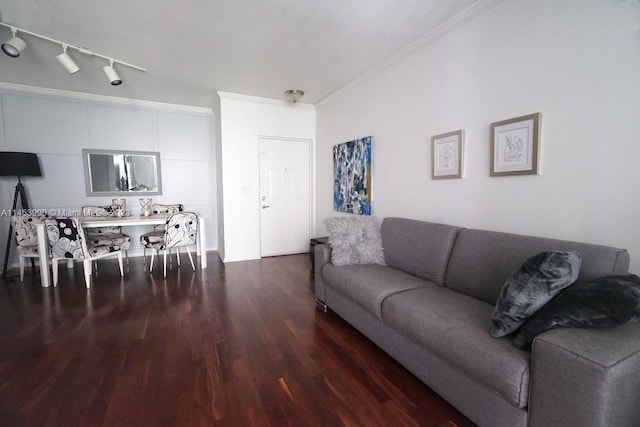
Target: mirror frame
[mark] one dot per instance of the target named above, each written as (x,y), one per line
(86,153)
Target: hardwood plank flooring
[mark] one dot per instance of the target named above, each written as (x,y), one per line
(240,344)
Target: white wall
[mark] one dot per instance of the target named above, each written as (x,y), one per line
(58,125)
(575,61)
(243,120)
(219,188)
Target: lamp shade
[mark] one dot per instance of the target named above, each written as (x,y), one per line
(19,164)
(112,75)
(68,63)
(14,47)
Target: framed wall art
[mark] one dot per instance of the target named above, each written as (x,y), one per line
(447,155)
(514,146)
(352,176)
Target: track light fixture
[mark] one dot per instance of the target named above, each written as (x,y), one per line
(67,62)
(111,74)
(15,45)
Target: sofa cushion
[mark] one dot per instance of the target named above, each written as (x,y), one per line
(531,286)
(482,260)
(418,247)
(369,285)
(455,327)
(354,240)
(601,303)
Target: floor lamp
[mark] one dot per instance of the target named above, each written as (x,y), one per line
(17,164)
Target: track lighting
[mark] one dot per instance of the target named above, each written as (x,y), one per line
(111,74)
(67,62)
(14,46)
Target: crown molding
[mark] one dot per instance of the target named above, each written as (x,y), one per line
(259,99)
(465,15)
(81,96)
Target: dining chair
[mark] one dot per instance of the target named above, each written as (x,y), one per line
(24,227)
(111,235)
(181,231)
(67,241)
(157,235)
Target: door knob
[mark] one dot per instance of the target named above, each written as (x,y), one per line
(265,206)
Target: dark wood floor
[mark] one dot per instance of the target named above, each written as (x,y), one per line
(236,344)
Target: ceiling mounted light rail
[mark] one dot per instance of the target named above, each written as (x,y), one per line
(15,46)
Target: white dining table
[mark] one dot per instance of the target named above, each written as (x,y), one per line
(114,221)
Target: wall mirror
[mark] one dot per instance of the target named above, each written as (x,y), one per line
(121,173)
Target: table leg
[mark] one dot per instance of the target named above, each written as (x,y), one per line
(44,258)
(202,246)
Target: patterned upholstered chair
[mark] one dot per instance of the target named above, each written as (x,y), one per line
(157,235)
(67,241)
(24,228)
(106,235)
(181,231)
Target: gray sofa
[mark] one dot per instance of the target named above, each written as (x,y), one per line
(430,308)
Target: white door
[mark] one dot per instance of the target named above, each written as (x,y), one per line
(285,196)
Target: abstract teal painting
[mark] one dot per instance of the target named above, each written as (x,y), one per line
(352,176)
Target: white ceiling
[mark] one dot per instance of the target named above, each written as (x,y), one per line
(193,48)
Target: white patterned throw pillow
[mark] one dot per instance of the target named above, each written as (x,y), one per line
(355,240)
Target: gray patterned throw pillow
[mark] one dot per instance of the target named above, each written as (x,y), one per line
(530,287)
(604,302)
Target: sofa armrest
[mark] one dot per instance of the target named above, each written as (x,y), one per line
(586,377)
(322,256)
